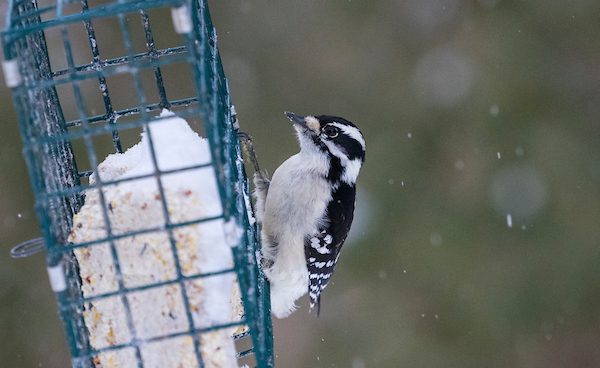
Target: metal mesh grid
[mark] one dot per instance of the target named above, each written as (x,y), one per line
(51,138)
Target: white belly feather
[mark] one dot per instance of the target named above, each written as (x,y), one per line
(293,210)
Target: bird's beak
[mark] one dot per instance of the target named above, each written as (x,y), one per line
(309,123)
(296,119)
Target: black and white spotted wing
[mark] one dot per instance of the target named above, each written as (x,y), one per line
(322,250)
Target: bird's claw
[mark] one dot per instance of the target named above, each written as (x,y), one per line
(243,136)
(248,148)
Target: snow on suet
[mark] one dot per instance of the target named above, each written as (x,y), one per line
(147,258)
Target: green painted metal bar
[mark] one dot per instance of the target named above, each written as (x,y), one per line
(12,33)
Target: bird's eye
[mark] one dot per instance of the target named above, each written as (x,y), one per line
(330,131)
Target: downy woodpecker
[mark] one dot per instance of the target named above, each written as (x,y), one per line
(306,209)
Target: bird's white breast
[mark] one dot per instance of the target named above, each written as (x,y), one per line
(295,206)
(297,198)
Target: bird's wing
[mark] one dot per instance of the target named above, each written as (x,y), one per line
(321,257)
(322,250)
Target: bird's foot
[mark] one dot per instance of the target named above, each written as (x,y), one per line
(248,149)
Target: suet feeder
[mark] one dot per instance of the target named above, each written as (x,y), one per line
(86,78)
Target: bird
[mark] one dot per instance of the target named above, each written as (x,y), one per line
(306,209)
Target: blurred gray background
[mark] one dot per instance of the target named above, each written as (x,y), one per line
(477,237)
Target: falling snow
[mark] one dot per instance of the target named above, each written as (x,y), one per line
(382,274)
(358,363)
(519,190)
(494,110)
(519,151)
(435,239)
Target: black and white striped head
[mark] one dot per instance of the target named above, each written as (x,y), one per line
(335,138)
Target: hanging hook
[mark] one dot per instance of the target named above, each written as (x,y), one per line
(28,248)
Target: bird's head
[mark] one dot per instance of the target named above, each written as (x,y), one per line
(336,139)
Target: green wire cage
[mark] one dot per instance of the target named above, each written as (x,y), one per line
(86,78)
